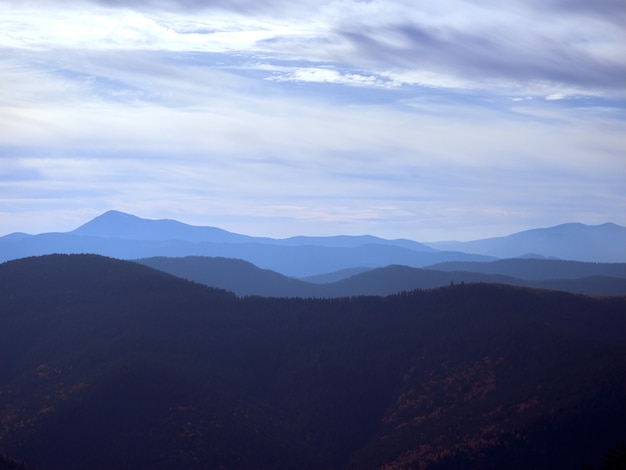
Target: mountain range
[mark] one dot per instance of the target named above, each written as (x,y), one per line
(108,363)
(126,236)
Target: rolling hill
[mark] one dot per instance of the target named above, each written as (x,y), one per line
(111,364)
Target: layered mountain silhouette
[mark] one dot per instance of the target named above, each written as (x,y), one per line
(125,236)
(244,278)
(111,364)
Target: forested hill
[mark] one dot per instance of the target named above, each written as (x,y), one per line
(111,364)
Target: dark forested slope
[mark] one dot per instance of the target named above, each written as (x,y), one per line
(110,364)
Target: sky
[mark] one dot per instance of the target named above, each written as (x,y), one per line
(447,120)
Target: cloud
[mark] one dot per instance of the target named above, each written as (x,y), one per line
(343,116)
(606,10)
(326,75)
(242,6)
(221,144)
(518,45)
(509,50)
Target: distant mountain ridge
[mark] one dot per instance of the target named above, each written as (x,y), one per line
(116,224)
(298,261)
(574,241)
(125,236)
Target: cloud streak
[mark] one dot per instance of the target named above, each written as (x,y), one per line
(514,44)
(451,120)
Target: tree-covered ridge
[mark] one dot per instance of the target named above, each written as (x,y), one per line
(109,364)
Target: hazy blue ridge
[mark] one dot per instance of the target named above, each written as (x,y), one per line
(573,241)
(296,261)
(537,269)
(126,236)
(347,241)
(115,224)
(15,236)
(334,276)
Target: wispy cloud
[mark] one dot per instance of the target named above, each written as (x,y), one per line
(316,117)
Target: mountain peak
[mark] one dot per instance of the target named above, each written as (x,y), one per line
(120,225)
(111,217)
(113,224)
(117,214)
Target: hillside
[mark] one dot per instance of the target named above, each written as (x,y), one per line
(110,364)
